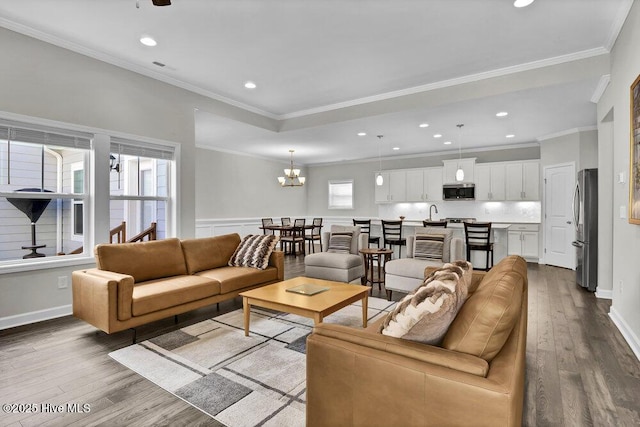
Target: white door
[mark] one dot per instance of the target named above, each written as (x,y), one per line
(559,181)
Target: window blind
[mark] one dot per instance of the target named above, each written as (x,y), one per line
(141,149)
(25,132)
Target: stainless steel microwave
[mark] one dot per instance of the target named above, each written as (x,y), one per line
(459,191)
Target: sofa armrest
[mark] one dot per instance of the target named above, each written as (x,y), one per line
(95,297)
(277,260)
(92,291)
(409,349)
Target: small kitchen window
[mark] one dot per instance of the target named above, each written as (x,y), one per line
(341,194)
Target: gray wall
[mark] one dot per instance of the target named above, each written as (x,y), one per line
(614,104)
(237,186)
(43,81)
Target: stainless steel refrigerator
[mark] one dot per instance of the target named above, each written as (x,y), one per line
(585,215)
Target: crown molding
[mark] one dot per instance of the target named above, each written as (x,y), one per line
(566,132)
(618,23)
(602,86)
(453,82)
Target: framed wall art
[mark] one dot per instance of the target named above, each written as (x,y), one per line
(634,152)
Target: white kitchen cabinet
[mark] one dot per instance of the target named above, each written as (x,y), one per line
(523,180)
(490,181)
(451,166)
(523,240)
(424,185)
(393,188)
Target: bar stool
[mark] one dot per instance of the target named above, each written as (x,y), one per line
(392,235)
(365,227)
(478,238)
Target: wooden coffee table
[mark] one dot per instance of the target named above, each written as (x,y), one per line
(316,307)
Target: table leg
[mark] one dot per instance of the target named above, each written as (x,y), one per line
(317,318)
(365,310)
(246,309)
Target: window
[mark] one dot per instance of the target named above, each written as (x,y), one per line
(47,205)
(42,190)
(77,216)
(341,194)
(140,187)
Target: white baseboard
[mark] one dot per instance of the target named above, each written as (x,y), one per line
(628,334)
(35,316)
(604,294)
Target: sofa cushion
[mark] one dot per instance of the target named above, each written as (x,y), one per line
(487,318)
(410,267)
(426,313)
(333,260)
(340,242)
(154,295)
(428,246)
(447,233)
(209,252)
(143,260)
(254,251)
(235,278)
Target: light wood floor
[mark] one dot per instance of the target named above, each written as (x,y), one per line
(580,371)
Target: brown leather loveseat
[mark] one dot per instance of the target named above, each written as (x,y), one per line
(138,283)
(360,377)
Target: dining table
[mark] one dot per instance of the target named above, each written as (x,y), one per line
(288,230)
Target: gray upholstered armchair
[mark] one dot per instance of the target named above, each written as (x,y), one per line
(340,262)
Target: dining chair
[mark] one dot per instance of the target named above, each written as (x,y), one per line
(365,227)
(316,234)
(478,238)
(426,223)
(295,237)
(392,235)
(286,221)
(265,223)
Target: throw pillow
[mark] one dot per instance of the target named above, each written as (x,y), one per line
(254,251)
(448,235)
(340,243)
(425,314)
(428,246)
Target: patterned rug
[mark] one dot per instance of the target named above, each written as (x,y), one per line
(258,380)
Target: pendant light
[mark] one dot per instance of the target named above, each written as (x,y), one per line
(379,178)
(460,172)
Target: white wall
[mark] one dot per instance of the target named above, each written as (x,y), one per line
(625,272)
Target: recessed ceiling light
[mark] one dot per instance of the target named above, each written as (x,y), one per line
(396,148)
(447,143)
(437,135)
(502,114)
(362,134)
(424,125)
(250,85)
(148,41)
(511,135)
(522,3)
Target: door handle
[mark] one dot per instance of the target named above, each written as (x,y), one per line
(569,222)
(577,244)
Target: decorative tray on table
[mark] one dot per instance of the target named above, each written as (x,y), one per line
(307,289)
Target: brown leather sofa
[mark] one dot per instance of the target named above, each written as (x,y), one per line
(138,283)
(359,377)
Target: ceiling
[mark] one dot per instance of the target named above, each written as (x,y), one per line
(328,69)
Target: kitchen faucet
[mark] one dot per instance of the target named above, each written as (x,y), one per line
(432,206)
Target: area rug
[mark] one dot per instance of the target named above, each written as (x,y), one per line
(258,380)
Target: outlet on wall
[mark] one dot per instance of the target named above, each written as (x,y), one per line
(63,282)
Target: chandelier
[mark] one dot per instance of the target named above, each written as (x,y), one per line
(291,176)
